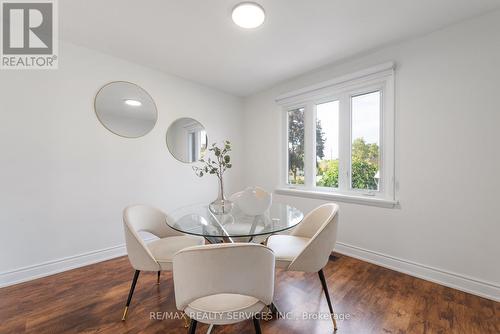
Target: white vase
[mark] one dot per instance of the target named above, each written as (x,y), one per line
(253,200)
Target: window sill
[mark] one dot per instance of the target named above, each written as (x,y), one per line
(323,195)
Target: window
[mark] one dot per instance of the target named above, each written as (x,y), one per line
(327,144)
(365,149)
(340,136)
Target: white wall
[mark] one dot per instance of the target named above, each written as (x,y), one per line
(448,119)
(65,179)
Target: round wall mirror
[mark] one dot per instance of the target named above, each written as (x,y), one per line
(187,140)
(125,109)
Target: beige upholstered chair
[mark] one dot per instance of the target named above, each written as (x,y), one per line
(252,201)
(223,284)
(309,246)
(158,254)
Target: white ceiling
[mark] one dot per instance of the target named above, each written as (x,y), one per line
(197,40)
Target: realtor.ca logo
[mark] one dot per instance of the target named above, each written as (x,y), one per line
(29,34)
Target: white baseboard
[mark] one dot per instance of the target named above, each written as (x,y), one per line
(443,277)
(439,276)
(56,266)
(52,267)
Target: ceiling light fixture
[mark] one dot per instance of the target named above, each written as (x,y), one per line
(133,103)
(248,15)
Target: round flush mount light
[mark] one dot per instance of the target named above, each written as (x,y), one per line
(248,15)
(133,103)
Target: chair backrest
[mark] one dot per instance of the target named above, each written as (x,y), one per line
(139,218)
(253,200)
(320,225)
(255,190)
(239,268)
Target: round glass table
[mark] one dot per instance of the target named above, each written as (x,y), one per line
(199,220)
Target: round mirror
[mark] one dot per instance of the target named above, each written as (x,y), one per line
(187,140)
(125,109)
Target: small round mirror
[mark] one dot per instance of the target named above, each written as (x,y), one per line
(187,140)
(125,109)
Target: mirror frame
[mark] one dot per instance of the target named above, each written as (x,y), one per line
(128,82)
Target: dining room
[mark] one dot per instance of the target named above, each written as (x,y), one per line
(319,166)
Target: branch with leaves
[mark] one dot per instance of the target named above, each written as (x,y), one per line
(219,164)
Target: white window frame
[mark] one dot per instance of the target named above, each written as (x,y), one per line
(377,78)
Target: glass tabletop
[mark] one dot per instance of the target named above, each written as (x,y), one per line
(199,220)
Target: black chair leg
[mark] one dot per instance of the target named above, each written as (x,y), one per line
(256,324)
(158,278)
(274,310)
(192,326)
(130,294)
(327,294)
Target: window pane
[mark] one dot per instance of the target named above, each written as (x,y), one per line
(296,146)
(365,152)
(327,144)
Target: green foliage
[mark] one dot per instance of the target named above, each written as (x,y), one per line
(361,151)
(363,175)
(364,166)
(217,166)
(320,140)
(365,160)
(296,144)
(329,174)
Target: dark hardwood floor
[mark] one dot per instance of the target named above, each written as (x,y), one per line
(377,300)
